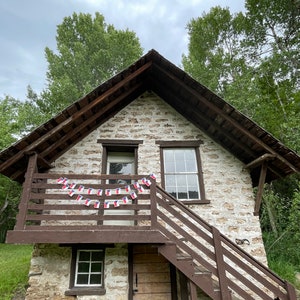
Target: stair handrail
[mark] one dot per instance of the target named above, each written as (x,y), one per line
(289,289)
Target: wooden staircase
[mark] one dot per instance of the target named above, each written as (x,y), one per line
(199,276)
(209,260)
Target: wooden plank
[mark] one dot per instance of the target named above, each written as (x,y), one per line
(145,257)
(158,296)
(155,287)
(31,168)
(72,207)
(88,217)
(151,267)
(154,277)
(79,236)
(260,188)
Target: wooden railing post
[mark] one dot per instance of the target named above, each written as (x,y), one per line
(153,204)
(290,291)
(25,196)
(223,281)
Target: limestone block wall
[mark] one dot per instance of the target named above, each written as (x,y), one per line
(148,118)
(227,183)
(49,273)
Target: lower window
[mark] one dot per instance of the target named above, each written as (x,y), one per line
(89,268)
(87,271)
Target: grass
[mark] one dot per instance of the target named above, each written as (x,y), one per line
(283,256)
(14,266)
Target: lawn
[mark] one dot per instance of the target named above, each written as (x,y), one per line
(14,266)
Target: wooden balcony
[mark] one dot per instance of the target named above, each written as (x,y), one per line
(51,213)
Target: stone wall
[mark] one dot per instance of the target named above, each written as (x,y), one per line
(49,273)
(148,118)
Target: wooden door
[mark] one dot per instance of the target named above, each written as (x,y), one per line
(150,274)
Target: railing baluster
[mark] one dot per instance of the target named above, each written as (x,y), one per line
(25,197)
(153,204)
(223,281)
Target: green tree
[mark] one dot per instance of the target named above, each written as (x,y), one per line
(216,57)
(88,53)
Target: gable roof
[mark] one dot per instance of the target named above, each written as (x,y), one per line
(215,117)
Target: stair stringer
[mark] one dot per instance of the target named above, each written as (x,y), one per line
(202,279)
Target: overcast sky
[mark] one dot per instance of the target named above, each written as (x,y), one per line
(28,26)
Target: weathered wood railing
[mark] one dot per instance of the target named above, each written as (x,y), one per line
(47,208)
(232,268)
(50,205)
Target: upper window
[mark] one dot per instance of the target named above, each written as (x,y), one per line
(181,170)
(181,173)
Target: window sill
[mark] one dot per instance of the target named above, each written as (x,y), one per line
(85,291)
(195,201)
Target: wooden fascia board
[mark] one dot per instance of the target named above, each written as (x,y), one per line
(91,119)
(70,119)
(226,117)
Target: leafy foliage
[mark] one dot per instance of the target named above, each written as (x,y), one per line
(9,200)
(89,52)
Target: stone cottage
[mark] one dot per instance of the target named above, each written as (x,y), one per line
(143,189)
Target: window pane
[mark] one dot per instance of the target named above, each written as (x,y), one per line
(83,267)
(97,255)
(181,181)
(170,180)
(84,256)
(96,267)
(180,166)
(193,194)
(192,179)
(168,155)
(95,279)
(169,167)
(82,279)
(179,154)
(182,192)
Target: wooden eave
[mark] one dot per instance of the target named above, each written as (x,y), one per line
(214,116)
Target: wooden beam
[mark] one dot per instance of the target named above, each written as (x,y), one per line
(31,169)
(81,236)
(86,123)
(260,160)
(42,162)
(260,188)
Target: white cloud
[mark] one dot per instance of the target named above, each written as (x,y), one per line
(27,27)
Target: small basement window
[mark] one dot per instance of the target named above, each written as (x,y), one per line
(89,268)
(87,272)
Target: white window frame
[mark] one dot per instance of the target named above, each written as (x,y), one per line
(89,273)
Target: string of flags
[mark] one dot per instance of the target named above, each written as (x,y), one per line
(131,189)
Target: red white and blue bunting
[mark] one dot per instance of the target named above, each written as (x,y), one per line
(131,189)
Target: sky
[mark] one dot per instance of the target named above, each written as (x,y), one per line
(27,27)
